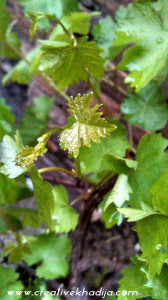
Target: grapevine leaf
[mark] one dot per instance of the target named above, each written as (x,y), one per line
(146,26)
(29,217)
(9,223)
(120,192)
(136,278)
(52,253)
(153,239)
(135,214)
(6,118)
(35,119)
(62,211)
(15,252)
(147,108)
(11,191)
(117,164)
(69,64)
(8,149)
(103,34)
(77,22)
(21,72)
(9,282)
(43,197)
(4,19)
(160,194)
(58,8)
(12,39)
(80,22)
(116,144)
(152,163)
(88,126)
(111,216)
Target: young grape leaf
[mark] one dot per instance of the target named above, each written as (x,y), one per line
(43,197)
(116,143)
(160,194)
(9,282)
(63,211)
(67,63)
(147,108)
(120,192)
(88,126)
(8,149)
(35,119)
(152,163)
(135,214)
(103,34)
(51,253)
(6,119)
(136,278)
(11,191)
(21,72)
(153,239)
(145,24)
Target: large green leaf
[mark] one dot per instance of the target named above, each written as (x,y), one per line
(51,253)
(6,119)
(145,24)
(35,119)
(8,149)
(64,215)
(160,194)
(116,144)
(43,197)
(9,284)
(152,163)
(153,239)
(137,284)
(88,125)
(103,34)
(67,63)
(147,108)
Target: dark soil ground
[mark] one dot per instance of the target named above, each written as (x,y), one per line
(105,252)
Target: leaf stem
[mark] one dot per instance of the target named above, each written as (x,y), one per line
(117,87)
(79,173)
(57,169)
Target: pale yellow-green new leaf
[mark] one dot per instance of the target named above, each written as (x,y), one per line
(88,126)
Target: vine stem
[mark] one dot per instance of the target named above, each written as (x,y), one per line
(117,87)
